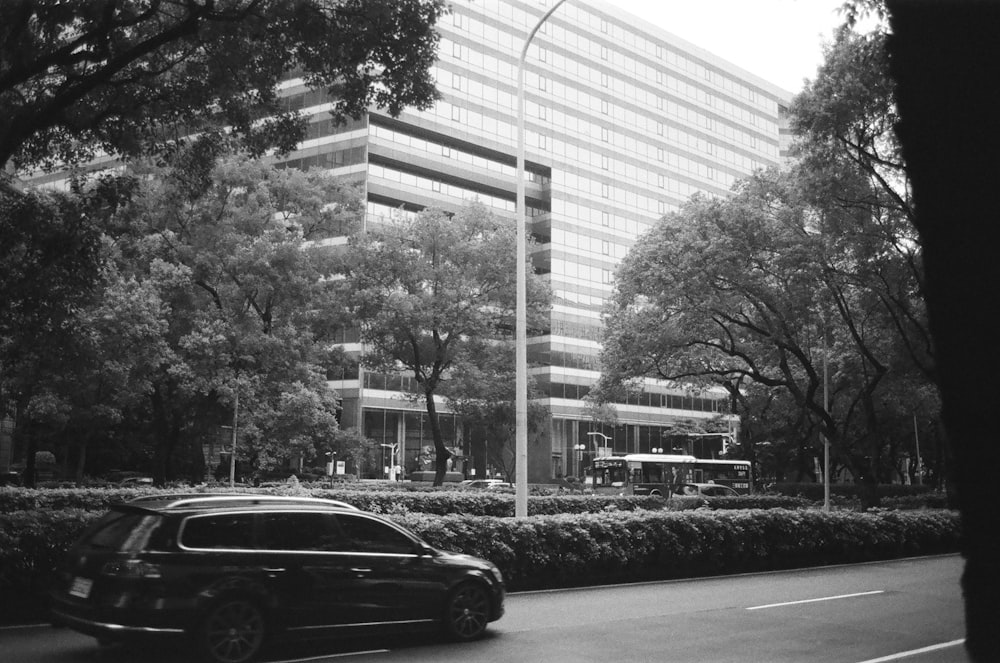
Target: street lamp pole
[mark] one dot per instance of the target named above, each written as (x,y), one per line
(232,456)
(826,439)
(521,324)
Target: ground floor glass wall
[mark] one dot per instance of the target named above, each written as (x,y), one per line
(404,438)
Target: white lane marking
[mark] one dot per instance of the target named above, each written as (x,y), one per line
(824,598)
(915,652)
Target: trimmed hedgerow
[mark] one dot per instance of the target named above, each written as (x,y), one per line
(567,550)
(585,549)
(440,502)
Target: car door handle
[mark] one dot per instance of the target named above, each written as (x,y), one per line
(273,572)
(359,569)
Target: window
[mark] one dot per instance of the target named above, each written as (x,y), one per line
(370,536)
(229,531)
(300,531)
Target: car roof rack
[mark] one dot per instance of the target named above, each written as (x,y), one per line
(196,499)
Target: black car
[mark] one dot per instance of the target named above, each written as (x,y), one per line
(233,571)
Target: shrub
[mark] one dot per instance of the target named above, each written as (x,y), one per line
(585,549)
(565,550)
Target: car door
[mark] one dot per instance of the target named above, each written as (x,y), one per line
(397,581)
(319,587)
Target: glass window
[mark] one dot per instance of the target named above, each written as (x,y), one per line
(300,531)
(230,531)
(121,531)
(368,535)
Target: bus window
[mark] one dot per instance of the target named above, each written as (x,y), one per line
(652,473)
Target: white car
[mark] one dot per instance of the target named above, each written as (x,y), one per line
(706,490)
(482,484)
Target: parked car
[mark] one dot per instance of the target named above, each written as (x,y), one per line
(10,478)
(483,484)
(136,482)
(705,490)
(232,572)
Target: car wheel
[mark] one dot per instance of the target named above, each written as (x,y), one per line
(467,612)
(233,631)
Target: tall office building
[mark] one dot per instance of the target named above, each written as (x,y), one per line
(624,122)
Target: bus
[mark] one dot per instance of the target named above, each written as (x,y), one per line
(641,474)
(662,474)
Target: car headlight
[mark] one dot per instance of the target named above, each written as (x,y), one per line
(496,573)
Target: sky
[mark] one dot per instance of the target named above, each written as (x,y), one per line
(779,40)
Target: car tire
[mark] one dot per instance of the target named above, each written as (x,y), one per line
(233,630)
(467,612)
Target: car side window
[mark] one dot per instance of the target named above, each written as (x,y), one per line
(300,531)
(370,536)
(228,531)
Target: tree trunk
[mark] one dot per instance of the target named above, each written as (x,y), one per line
(441,454)
(81,461)
(942,55)
(23,437)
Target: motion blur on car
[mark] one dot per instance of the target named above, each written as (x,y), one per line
(705,490)
(232,572)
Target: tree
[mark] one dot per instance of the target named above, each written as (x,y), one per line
(940,53)
(428,290)
(754,288)
(850,160)
(232,261)
(130,78)
(51,259)
(481,391)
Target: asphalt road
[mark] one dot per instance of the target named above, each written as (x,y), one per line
(907,610)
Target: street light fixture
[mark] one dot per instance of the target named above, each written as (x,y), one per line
(592,434)
(521,323)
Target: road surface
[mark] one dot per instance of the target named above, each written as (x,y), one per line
(906,610)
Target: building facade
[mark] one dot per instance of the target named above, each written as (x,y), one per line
(623,122)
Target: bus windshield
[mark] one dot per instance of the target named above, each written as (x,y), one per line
(609,472)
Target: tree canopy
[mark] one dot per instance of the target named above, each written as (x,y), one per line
(208,286)
(428,289)
(135,77)
(764,287)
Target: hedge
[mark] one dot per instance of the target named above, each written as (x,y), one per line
(568,550)
(439,502)
(815,491)
(572,550)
